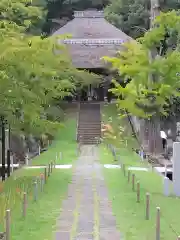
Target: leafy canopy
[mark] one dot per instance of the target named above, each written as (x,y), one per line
(154,82)
(26,13)
(31,77)
(132,16)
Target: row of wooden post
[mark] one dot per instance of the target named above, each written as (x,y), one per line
(147,210)
(43,180)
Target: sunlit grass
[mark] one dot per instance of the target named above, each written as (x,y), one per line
(40,222)
(130,215)
(65,143)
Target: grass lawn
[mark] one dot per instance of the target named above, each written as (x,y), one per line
(124,155)
(40,221)
(65,142)
(130,214)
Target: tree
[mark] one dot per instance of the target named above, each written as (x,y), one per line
(24,13)
(132,17)
(31,78)
(144,97)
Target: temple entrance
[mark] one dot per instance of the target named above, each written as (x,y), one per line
(92,93)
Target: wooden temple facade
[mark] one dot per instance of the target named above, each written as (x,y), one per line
(92,38)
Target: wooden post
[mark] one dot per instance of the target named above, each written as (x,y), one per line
(124,169)
(45,175)
(35,191)
(133,181)
(24,204)
(42,181)
(147,205)
(8,228)
(129,175)
(12,163)
(49,171)
(39,150)
(158,223)
(138,191)
(51,166)
(8,163)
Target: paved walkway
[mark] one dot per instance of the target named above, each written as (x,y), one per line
(86,213)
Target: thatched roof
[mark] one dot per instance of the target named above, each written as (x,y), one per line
(92,37)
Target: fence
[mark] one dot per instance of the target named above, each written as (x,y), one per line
(136,188)
(38,186)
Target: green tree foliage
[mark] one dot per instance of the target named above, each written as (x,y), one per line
(154,82)
(26,13)
(31,78)
(167,5)
(132,16)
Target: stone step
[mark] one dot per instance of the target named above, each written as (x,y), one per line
(90,132)
(89,120)
(92,129)
(89,125)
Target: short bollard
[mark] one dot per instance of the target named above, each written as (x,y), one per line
(138,191)
(51,166)
(129,176)
(8,223)
(42,182)
(158,223)
(60,155)
(124,169)
(24,204)
(147,205)
(166,186)
(49,169)
(35,191)
(45,175)
(133,182)
(39,150)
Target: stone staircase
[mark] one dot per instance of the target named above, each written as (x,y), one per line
(89,123)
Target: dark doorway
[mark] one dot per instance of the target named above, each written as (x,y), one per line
(84,94)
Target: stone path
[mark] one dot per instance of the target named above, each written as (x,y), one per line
(86,213)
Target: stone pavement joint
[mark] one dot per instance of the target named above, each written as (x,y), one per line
(87,212)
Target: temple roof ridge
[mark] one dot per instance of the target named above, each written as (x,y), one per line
(89,13)
(93,41)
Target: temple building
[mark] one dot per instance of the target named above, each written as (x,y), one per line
(91,38)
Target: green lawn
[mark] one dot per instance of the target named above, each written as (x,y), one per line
(40,221)
(41,215)
(130,214)
(65,142)
(124,155)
